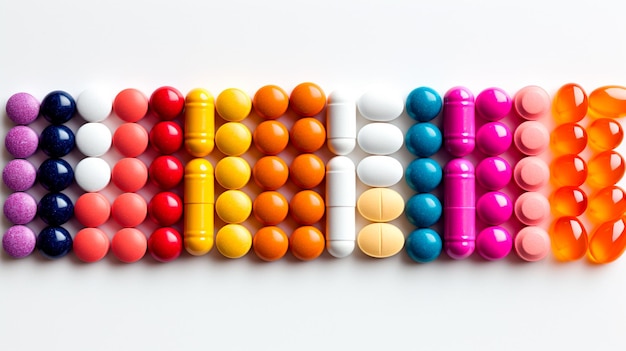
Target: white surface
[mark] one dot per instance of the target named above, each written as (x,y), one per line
(352,303)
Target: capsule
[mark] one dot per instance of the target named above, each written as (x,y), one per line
(199,122)
(608,241)
(198,207)
(459,121)
(459,209)
(341,123)
(570,104)
(569,239)
(608,101)
(340,206)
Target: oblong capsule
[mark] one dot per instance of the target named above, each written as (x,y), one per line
(608,241)
(459,208)
(199,122)
(198,207)
(459,121)
(340,206)
(341,123)
(608,101)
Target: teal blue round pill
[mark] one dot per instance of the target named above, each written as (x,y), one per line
(423,139)
(423,245)
(423,175)
(423,104)
(423,210)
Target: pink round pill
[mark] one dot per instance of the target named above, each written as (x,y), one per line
(494,208)
(532,102)
(21,141)
(531,138)
(19,241)
(493,104)
(494,243)
(493,173)
(532,244)
(22,108)
(532,208)
(494,138)
(19,175)
(531,173)
(20,208)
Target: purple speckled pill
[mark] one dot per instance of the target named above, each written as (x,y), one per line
(19,241)
(20,208)
(21,141)
(22,108)
(19,175)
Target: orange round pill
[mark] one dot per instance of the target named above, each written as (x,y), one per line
(129,210)
(90,245)
(130,105)
(306,243)
(270,137)
(308,135)
(270,243)
(307,99)
(129,245)
(307,207)
(270,102)
(270,172)
(129,174)
(307,171)
(270,207)
(92,209)
(130,139)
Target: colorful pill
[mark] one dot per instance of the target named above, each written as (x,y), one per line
(233,138)
(233,105)
(93,139)
(270,172)
(605,169)
(54,242)
(20,208)
(92,174)
(306,243)
(569,170)
(380,105)
(380,138)
(607,204)
(494,138)
(270,208)
(494,173)
(608,241)
(423,139)
(459,208)
(270,137)
(22,108)
(569,239)
(307,99)
(58,107)
(21,141)
(233,241)
(92,209)
(129,210)
(54,209)
(380,240)
(608,101)
(423,175)
(380,204)
(568,138)
(165,244)
(130,139)
(55,174)
(568,201)
(605,134)
(129,174)
(19,175)
(233,206)
(167,103)
(531,138)
(57,141)
(166,137)
(94,105)
(423,104)
(307,171)
(532,244)
(199,122)
(307,135)
(423,245)
(532,208)
(165,208)
(270,102)
(532,103)
(232,172)
(493,104)
(270,243)
(19,241)
(166,171)
(307,207)
(570,104)
(459,121)
(90,245)
(341,123)
(129,245)
(531,173)
(198,207)
(494,208)
(130,105)
(494,243)
(423,210)
(379,171)
(340,203)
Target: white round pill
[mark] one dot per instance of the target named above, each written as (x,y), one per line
(93,139)
(92,174)
(379,171)
(380,138)
(94,105)
(381,105)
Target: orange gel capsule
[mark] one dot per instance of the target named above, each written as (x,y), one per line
(608,101)
(569,239)
(568,138)
(570,104)
(605,134)
(568,170)
(605,169)
(608,241)
(607,204)
(569,201)
(198,207)
(199,122)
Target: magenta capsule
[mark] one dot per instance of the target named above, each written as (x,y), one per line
(459,128)
(459,209)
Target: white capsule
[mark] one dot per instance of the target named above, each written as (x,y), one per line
(94,105)
(341,123)
(340,206)
(92,174)
(380,138)
(381,105)
(93,139)
(380,171)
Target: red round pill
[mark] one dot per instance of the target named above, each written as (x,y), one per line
(166,137)
(92,209)
(165,208)
(167,103)
(165,244)
(129,245)
(129,174)
(130,105)
(129,210)
(130,139)
(90,245)
(166,171)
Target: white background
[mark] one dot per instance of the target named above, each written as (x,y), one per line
(353,303)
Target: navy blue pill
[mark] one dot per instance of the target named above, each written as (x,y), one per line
(55,209)
(55,174)
(57,141)
(423,139)
(423,245)
(423,175)
(58,107)
(54,242)
(423,210)
(423,104)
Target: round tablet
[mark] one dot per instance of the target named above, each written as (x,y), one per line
(493,173)
(494,208)
(165,208)
(233,240)
(92,209)
(531,173)
(19,241)
(270,243)
(532,244)
(380,204)
(380,138)
(55,174)
(270,137)
(92,174)
(494,138)
(531,138)
(129,209)
(21,141)
(532,208)
(307,135)
(423,104)
(232,172)
(91,245)
(58,107)
(423,210)
(270,102)
(423,245)
(55,209)
(233,138)
(54,242)
(57,141)
(166,137)
(130,105)
(306,243)
(379,171)
(423,175)
(129,245)
(532,102)
(94,105)
(307,171)
(19,175)
(233,206)
(423,139)
(380,240)
(270,207)
(380,105)
(93,139)
(307,207)
(494,243)
(20,208)
(307,99)
(22,108)
(493,104)
(569,170)
(130,139)
(165,244)
(129,174)
(270,172)
(233,105)
(166,171)
(167,103)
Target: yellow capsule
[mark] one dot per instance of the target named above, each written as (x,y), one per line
(233,105)
(605,169)
(199,122)
(570,104)
(232,172)
(233,241)
(605,134)
(608,101)
(198,207)
(233,206)
(233,138)
(607,204)
(569,239)
(608,241)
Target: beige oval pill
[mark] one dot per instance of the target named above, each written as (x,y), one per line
(380,204)
(380,240)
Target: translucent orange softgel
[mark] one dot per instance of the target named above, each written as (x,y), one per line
(570,104)
(605,134)
(568,201)
(568,170)
(608,241)
(608,101)
(605,169)
(568,138)
(607,204)
(568,239)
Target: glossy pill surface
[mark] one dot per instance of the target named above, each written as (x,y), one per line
(94,105)
(532,102)
(233,138)
(198,207)
(494,138)
(423,175)
(130,139)
(494,243)
(55,174)
(270,102)
(380,138)
(129,210)
(233,105)
(19,175)
(21,141)
(380,105)
(165,208)
(459,121)
(423,210)
(423,139)
(532,208)
(531,138)
(607,204)
(423,104)
(270,172)
(493,104)
(569,170)
(166,171)
(199,126)
(92,174)
(568,138)
(569,239)
(54,242)
(605,169)
(165,244)
(58,107)
(608,241)
(270,208)
(57,141)
(341,123)
(129,174)
(379,171)
(92,209)
(608,101)
(91,245)
(494,208)
(568,201)
(570,104)
(130,105)
(307,207)
(19,241)
(93,139)
(166,137)
(531,173)
(167,103)
(605,134)
(423,245)
(55,209)
(460,209)
(233,240)
(270,137)
(307,171)
(232,172)
(380,204)
(20,208)
(494,173)
(22,108)
(233,206)
(380,240)
(306,243)
(129,245)
(307,135)
(532,244)
(307,99)
(270,243)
